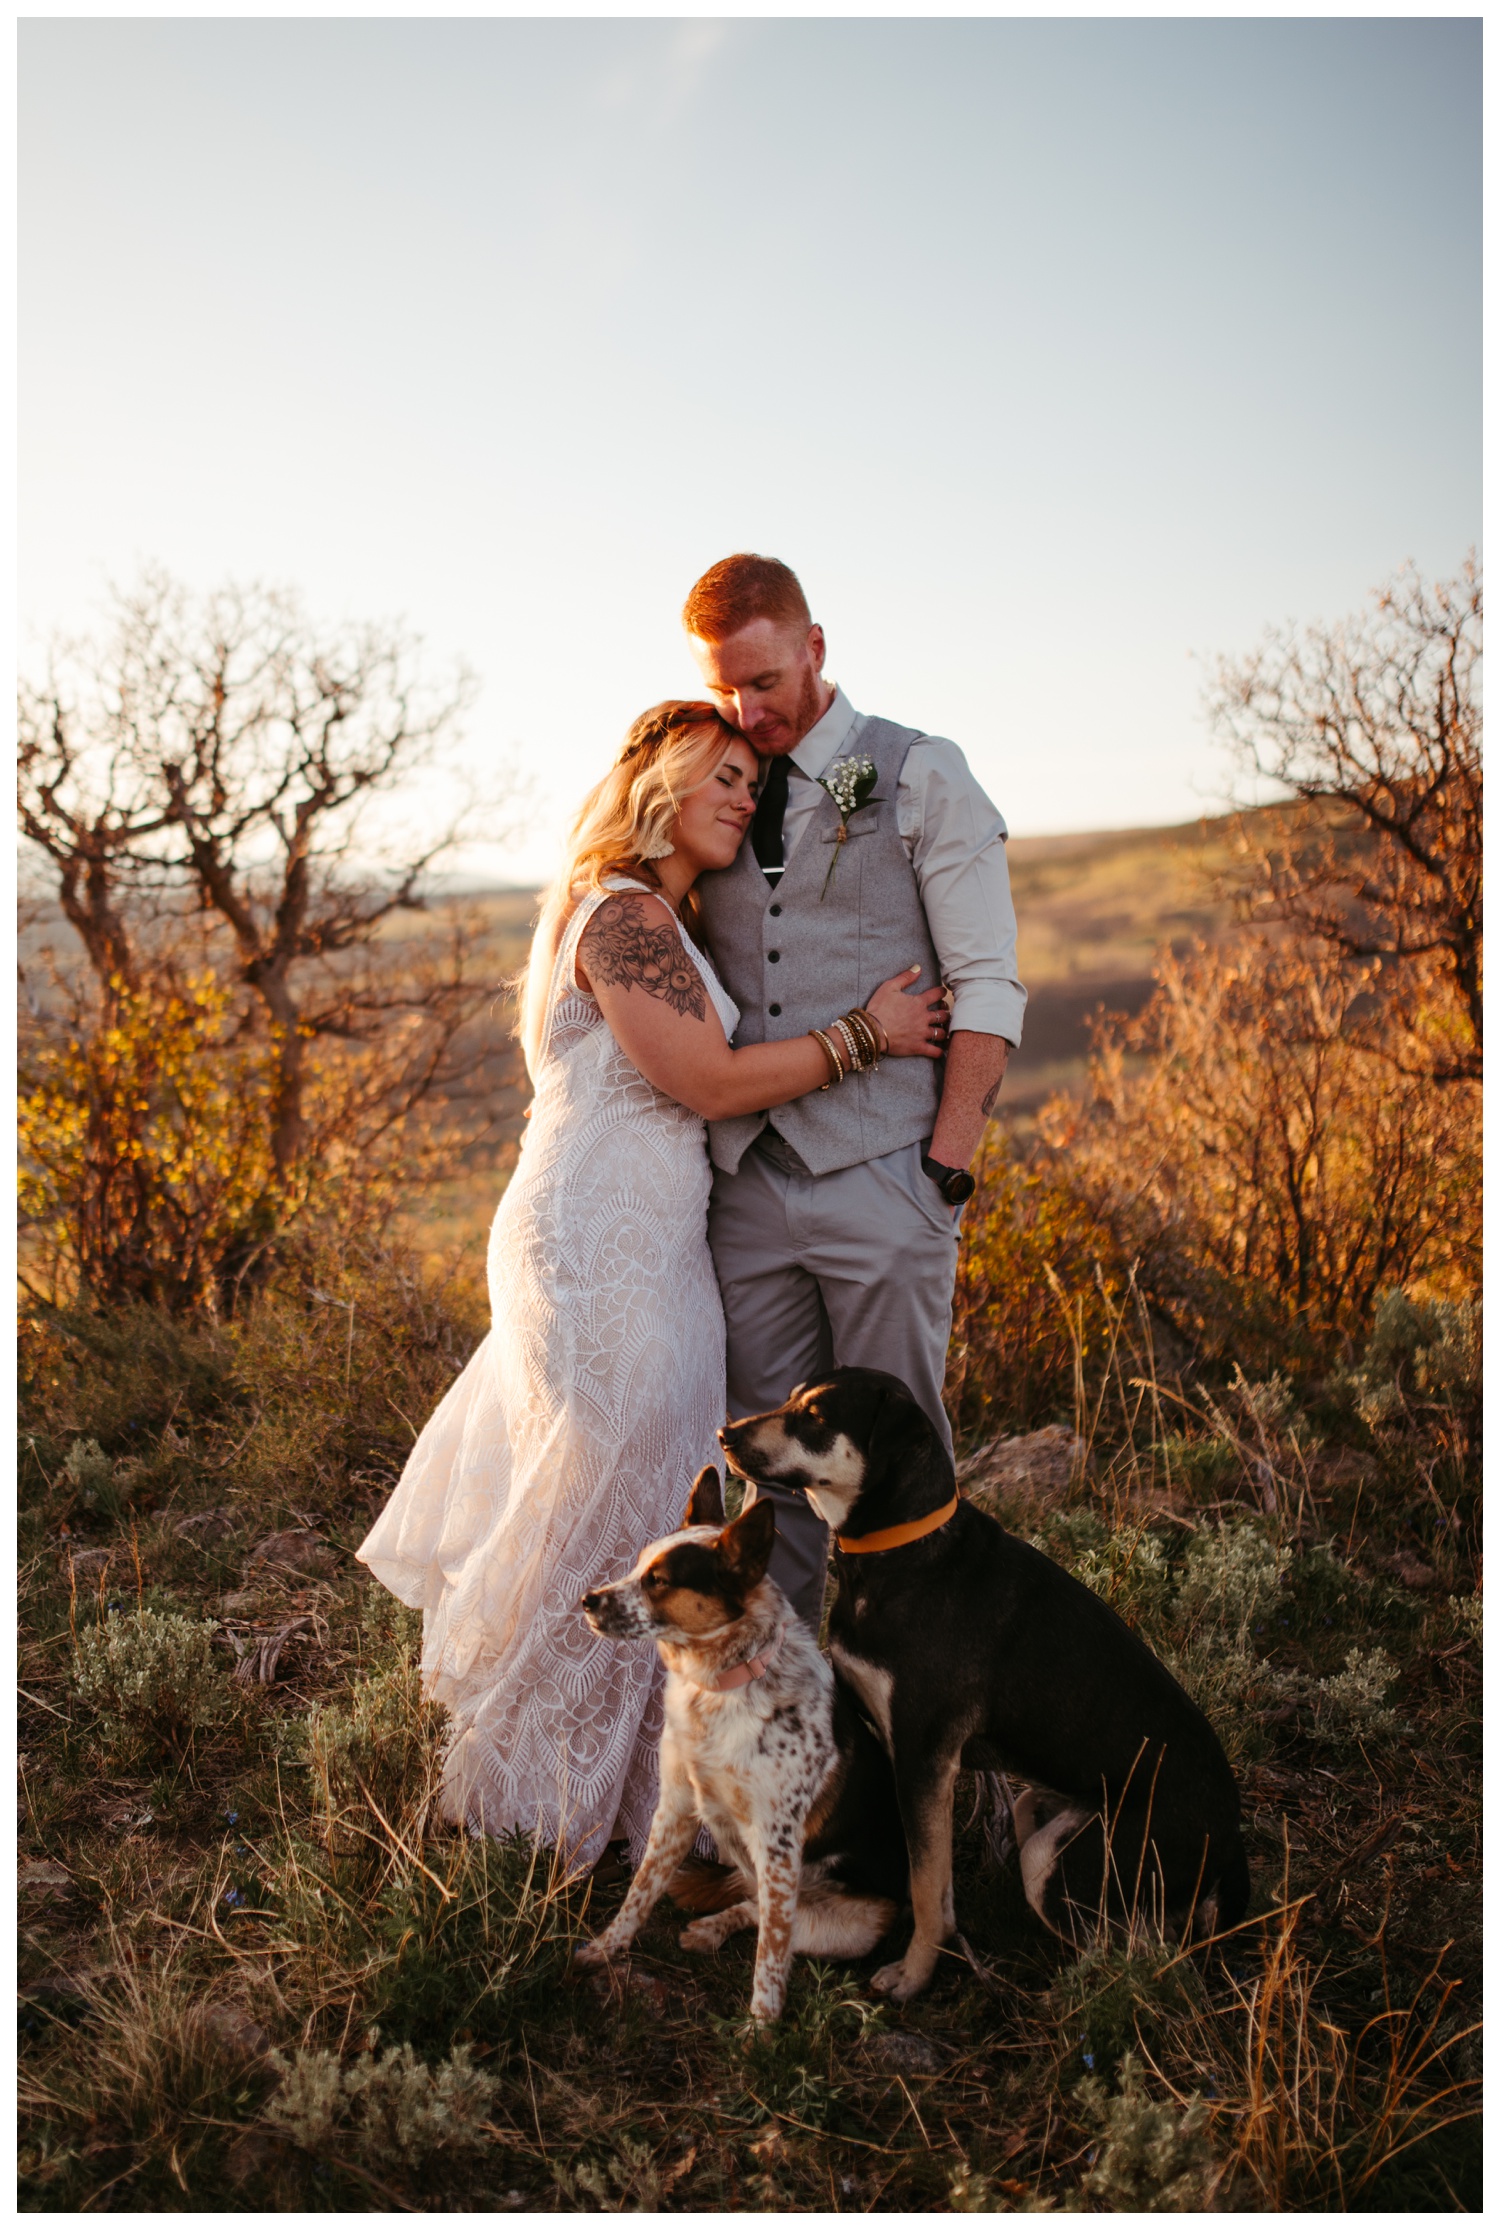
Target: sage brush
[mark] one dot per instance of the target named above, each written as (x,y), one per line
(1154,2157)
(150,1678)
(393,2110)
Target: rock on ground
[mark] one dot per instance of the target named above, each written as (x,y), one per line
(296,1550)
(206,1527)
(1034,1466)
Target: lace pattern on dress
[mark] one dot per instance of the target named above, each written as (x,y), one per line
(570,1441)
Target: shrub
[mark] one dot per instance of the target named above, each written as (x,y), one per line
(1321,1585)
(1229,1576)
(1351,1704)
(800,2067)
(972,2193)
(1422,1361)
(1205,1465)
(1012,1354)
(149,1677)
(1270,1170)
(143,1151)
(1346,1708)
(1130,1571)
(1068,1536)
(1122,1993)
(627,2181)
(94,1479)
(396,2112)
(1271,1405)
(245,1030)
(1468,1615)
(1154,2156)
(1232,1687)
(385,1745)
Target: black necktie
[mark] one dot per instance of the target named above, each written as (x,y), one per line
(770,807)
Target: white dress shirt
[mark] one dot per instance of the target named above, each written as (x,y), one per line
(955,840)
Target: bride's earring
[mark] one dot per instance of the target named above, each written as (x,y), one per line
(661,849)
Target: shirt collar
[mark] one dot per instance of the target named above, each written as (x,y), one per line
(827,739)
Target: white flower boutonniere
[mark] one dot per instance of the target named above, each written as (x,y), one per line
(850,783)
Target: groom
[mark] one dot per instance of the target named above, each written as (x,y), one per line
(834,1222)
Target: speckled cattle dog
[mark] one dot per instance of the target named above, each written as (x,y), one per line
(967,1647)
(751,1750)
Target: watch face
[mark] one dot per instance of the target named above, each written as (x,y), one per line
(958,1187)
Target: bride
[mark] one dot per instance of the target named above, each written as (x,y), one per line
(574,1434)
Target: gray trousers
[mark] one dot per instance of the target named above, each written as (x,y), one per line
(856,1268)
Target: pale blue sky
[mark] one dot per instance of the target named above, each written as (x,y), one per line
(1051,354)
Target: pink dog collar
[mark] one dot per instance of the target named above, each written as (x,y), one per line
(740,1676)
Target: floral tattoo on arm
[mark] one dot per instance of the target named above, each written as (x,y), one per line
(626,945)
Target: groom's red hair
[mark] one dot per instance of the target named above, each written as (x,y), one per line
(740,589)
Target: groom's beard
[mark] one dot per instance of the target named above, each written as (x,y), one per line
(806,714)
(810,707)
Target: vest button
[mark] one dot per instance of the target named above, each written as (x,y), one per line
(776,909)
(773,956)
(773,1008)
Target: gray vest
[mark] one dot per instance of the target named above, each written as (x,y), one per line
(792,958)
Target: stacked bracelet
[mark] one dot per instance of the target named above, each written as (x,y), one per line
(863,1017)
(835,1065)
(852,1045)
(852,1042)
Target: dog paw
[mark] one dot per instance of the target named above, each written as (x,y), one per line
(896,1982)
(702,1935)
(592,1954)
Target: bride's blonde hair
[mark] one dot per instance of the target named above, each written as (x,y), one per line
(621,827)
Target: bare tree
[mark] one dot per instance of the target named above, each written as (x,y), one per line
(232,752)
(1375,724)
(283,742)
(223,777)
(84,808)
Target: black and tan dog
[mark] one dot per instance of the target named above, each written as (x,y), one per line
(967,1647)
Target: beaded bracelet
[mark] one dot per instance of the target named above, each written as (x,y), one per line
(859,1023)
(869,1049)
(856,1052)
(862,1014)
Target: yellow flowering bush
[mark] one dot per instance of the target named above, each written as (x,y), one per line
(143,1145)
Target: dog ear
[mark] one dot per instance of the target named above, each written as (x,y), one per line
(706,1502)
(746,1545)
(897,1427)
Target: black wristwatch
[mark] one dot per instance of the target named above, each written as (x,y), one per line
(955,1185)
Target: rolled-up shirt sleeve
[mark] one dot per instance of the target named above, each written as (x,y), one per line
(956,841)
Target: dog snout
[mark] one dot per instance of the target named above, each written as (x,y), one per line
(738,1444)
(612,1612)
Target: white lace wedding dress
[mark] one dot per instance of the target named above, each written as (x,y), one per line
(570,1441)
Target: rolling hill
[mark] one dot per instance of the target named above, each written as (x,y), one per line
(1092,912)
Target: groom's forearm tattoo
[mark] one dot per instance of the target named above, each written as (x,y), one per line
(625,944)
(987,1104)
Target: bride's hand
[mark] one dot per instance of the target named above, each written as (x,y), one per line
(916,1022)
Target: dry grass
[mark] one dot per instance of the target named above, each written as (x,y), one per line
(276,1884)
